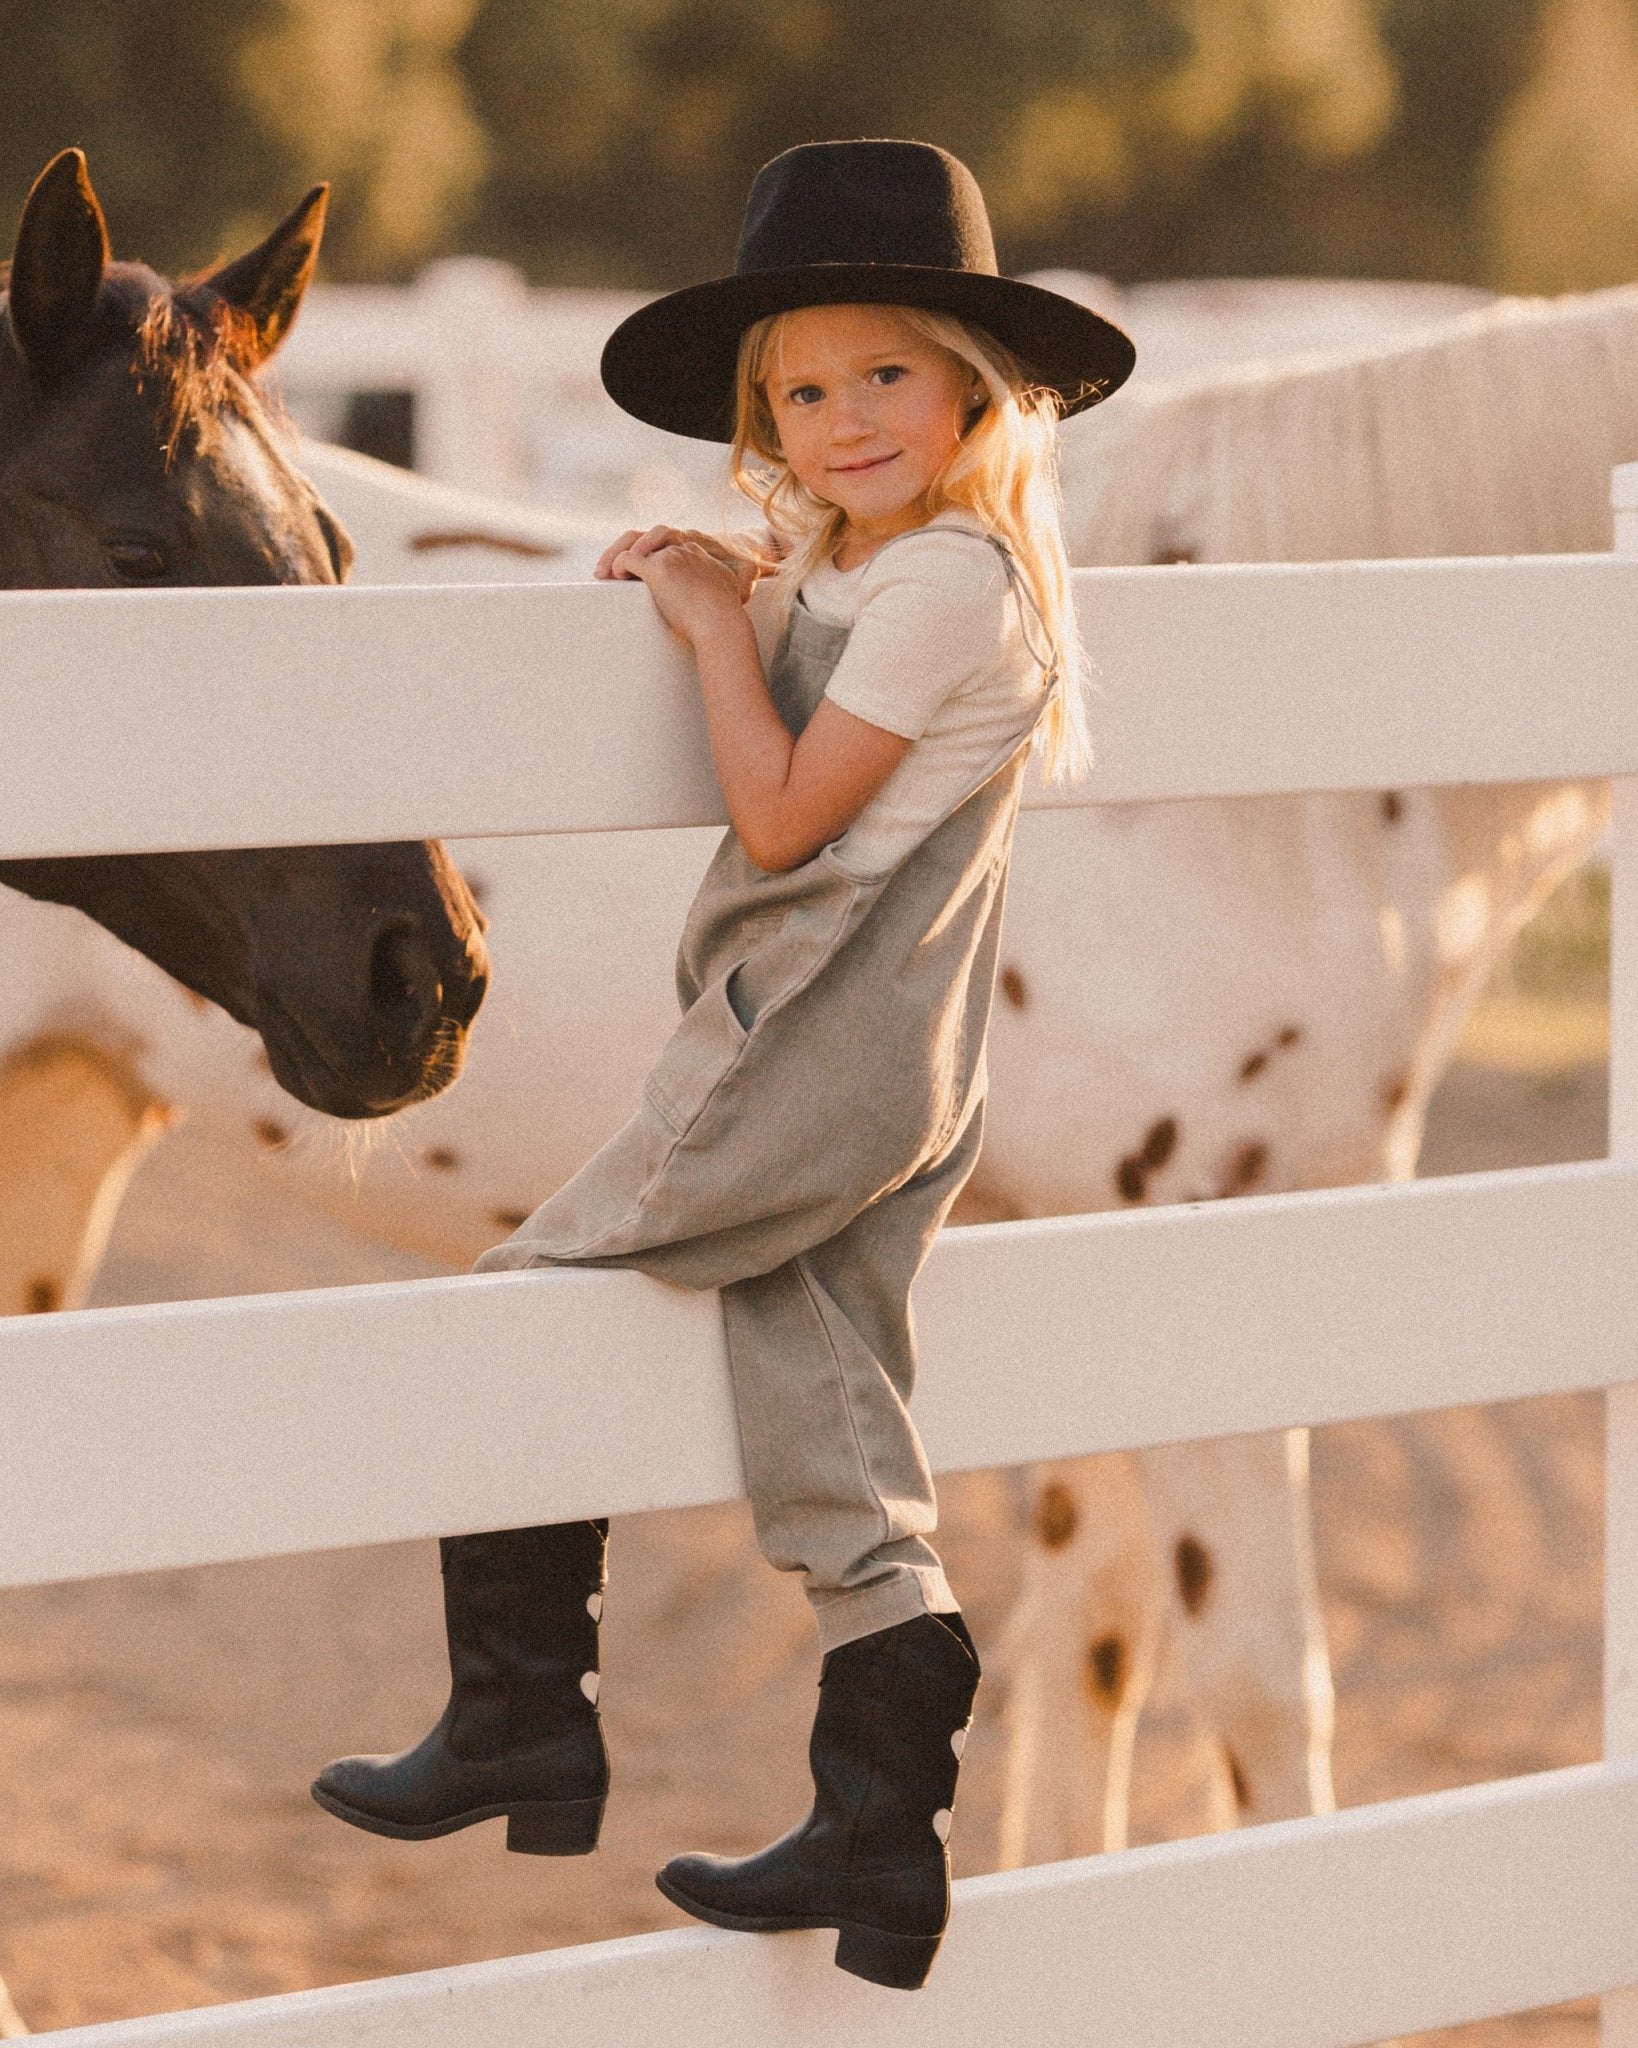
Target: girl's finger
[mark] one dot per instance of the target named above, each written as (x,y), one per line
(606,560)
(657,537)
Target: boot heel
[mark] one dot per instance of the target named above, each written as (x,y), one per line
(901,1961)
(559,1827)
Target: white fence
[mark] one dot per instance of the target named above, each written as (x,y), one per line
(506,394)
(142,1437)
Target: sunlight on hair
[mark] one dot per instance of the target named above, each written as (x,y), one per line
(185,359)
(1005,472)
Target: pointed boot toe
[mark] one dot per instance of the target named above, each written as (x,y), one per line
(704,1886)
(348,1786)
(552,1797)
(715,1889)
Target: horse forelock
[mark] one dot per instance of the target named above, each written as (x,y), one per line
(190,348)
(187,346)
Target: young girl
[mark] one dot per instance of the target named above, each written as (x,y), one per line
(892,403)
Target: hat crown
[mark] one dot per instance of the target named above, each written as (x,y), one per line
(866,202)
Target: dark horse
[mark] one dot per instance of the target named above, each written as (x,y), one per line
(134,451)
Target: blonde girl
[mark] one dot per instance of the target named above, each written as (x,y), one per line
(891,402)
(1003,471)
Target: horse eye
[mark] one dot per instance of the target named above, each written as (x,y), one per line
(138,561)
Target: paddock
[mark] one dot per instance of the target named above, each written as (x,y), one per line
(138,1438)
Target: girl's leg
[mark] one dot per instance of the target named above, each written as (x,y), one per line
(823,1360)
(823,1356)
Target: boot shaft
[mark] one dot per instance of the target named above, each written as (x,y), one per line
(894,1709)
(521,1610)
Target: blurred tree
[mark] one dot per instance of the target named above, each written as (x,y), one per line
(1562,173)
(205,119)
(367,93)
(156,100)
(612,141)
(1334,168)
(1318,66)
(1146,138)
(626,132)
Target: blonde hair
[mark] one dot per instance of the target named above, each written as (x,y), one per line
(1004,471)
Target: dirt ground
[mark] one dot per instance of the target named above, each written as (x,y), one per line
(160,1849)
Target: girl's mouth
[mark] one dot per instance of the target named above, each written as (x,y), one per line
(862,468)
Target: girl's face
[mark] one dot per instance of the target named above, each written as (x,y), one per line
(867,411)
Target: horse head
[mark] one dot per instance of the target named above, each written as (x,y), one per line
(136,451)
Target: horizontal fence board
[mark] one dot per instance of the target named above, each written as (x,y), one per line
(158,720)
(142,1437)
(1327,1933)
(444,328)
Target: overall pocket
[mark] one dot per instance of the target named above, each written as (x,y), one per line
(703,1048)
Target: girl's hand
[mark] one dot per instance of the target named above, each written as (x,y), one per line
(694,589)
(750,556)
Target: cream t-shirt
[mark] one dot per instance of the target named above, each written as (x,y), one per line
(939,654)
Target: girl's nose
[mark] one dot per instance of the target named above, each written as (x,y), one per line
(852,419)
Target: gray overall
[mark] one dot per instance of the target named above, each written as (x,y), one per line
(798,1144)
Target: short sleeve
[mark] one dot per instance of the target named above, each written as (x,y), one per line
(932,617)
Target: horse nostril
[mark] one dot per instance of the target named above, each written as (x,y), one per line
(406,995)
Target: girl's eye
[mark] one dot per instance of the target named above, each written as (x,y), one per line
(806,394)
(890,373)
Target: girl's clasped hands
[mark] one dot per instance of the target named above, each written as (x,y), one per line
(697,580)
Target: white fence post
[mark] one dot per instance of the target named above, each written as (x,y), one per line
(1620,2009)
(470,402)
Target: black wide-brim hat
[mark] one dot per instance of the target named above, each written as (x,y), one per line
(853,223)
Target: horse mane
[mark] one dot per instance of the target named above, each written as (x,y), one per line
(190,356)
(189,348)
(1492,434)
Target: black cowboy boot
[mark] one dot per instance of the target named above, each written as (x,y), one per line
(521,1734)
(870,1859)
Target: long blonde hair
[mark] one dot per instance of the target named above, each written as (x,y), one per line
(1005,472)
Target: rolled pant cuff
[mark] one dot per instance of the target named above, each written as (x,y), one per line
(909,1591)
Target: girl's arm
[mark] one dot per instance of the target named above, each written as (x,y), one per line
(787,798)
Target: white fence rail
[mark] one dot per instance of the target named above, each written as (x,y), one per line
(606,1393)
(263,717)
(148,1436)
(1306,1934)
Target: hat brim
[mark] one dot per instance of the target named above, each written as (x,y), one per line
(673,361)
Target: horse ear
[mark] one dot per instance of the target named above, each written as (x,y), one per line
(56,272)
(264,288)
